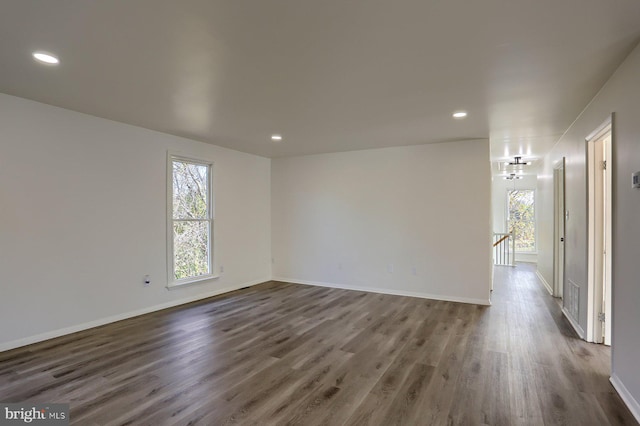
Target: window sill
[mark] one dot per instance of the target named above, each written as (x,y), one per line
(178,284)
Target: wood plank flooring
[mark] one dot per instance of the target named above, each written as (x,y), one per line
(285,354)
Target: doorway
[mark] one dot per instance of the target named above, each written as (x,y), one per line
(558,229)
(599,202)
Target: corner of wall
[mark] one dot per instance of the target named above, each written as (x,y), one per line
(544,281)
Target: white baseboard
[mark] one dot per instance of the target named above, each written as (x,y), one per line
(629,400)
(546,284)
(387,291)
(573,323)
(119,317)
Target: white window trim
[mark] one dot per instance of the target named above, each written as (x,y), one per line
(171,282)
(535,216)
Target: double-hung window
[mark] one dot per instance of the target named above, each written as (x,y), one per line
(521,218)
(190,213)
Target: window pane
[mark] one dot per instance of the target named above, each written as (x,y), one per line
(522,219)
(190,249)
(189,190)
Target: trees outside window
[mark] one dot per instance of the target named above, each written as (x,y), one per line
(521,218)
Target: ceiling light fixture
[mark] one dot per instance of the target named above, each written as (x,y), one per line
(46,58)
(517,162)
(276,137)
(460,114)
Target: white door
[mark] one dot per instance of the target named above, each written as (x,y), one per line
(599,239)
(559,227)
(607,276)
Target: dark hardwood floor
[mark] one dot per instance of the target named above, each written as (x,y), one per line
(291,354)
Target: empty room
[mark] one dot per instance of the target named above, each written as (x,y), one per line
(331,212)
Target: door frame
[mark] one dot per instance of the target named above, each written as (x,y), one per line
(599,253)
(559,228)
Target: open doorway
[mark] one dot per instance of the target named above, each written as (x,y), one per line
(558,229)
(599,167)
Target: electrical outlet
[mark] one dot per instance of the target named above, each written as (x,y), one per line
(390,268)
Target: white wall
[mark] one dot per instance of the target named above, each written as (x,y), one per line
(83,219)
(499,188)
(341,220)
(621,95)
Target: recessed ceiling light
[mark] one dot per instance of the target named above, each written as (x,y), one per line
(276,137)
(460,114)
(46,58)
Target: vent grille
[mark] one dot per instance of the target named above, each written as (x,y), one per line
(573,299)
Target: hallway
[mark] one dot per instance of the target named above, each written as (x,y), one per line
(553,376)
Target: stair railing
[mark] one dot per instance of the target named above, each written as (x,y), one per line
(504,249)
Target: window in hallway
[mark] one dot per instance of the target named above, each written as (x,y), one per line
(521,218)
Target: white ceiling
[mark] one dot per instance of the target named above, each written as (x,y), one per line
(331,75)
